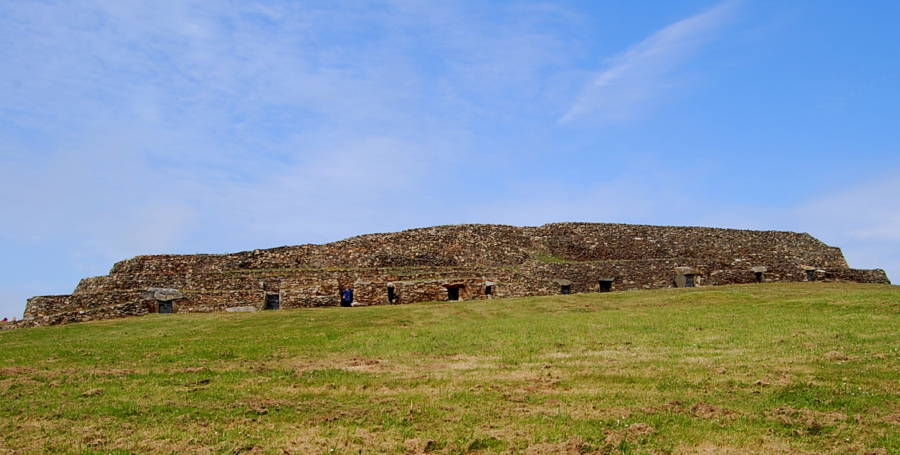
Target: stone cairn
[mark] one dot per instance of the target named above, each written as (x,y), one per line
(458,262)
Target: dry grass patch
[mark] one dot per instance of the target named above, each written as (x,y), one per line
(574,446)
(799,368)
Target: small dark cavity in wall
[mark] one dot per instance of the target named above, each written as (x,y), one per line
(606,284)
(689,280)
(391,294)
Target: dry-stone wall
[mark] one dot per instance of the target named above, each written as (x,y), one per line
(449,262)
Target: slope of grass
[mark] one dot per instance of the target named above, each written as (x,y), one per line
(776,368)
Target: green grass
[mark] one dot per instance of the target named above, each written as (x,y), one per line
(775,368)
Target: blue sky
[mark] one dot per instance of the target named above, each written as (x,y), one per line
(138,127)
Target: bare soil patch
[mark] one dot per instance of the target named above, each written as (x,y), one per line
(416,446)
(806,421)
(15,371)
(708,411)
(632,433)
(701,410)
(837,356)
(574,446)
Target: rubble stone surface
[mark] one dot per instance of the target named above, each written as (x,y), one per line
(429,263)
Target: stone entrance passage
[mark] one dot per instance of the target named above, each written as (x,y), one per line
(453,291)
(346,296)
(565,286)
(273,302)
(811,275)
(684,277)
(164,299)
(759,272)
(392,293)
(489,289)
(606,284)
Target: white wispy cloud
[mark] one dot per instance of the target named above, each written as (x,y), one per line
(637,78)
(863,218)
(133,127)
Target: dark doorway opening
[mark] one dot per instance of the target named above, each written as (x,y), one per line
(347,297)
(452,293)
(489,290)
(166,307)
(810,275)
(689,280)
(606,285)
(565,289)
(392,294)
(273,302)
(759,277)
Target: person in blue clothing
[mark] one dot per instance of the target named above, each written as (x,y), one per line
(347,296)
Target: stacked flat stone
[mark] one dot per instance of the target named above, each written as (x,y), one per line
(422,263)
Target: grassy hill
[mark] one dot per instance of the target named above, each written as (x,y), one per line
(775,368)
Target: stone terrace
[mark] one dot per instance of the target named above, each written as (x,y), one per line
(450,262)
